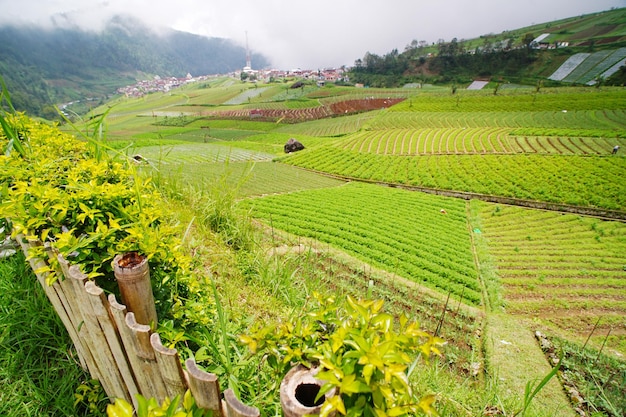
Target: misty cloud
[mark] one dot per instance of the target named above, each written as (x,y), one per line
(312,34)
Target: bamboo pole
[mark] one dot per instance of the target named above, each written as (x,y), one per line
(204,387)
(56,297)
(170,367)
(147,360)
(99,305)
(236,408)
(118,312)
(110,376)
(71,298)
(133,277)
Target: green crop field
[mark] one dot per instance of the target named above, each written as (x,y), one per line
(576,180)
(546,145)
(391,229)
(249,178)
(199,153)
(567,271)
(337,126)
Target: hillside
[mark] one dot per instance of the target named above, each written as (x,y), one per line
(44,67)
(506,271)
(482,274)
(526,55)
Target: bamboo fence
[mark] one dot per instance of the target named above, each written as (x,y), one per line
(124,355)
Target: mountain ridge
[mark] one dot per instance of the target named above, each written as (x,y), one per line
(46,66)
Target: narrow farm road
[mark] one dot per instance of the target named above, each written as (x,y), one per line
(513,357)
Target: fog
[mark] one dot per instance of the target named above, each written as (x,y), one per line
(311,35)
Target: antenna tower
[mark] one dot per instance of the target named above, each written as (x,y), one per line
(248,60)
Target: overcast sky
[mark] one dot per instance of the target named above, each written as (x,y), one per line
(314,34)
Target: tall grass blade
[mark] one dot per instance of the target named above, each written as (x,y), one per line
(15,140)
(530,393)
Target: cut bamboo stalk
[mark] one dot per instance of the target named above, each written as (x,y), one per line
(133,277)
(171,369)
(298,392)
(118,312)
(205,388)
(54,294)
(147,360)
(70,298)
(236,408)
(110,377)
(107,324)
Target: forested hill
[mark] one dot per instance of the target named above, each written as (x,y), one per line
(43,67)
(527,55)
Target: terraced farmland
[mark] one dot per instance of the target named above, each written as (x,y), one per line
(248,178)
(565,271)
(611,121)
(336,126)
(392,229)
(550,178)
(472,141)
(199,153)
(516,100)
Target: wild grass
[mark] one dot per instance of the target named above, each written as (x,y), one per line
(39,368)
(600,378)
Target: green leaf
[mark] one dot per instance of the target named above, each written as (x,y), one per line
(171,410)
(358,307)
(333,403)
(384,321)
(120,408)
(142,406)
(188,400)
(426,404)
(368,371)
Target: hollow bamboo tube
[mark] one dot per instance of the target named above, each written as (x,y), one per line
(133,277)
(298,391)
(204,387)
(100,307)
(148,368)
(236,408)
(60,304)
(171,369)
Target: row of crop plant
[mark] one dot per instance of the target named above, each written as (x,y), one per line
(478,141)
(516,100)
(566,271)
(392,229)
(575,180)
(602,119)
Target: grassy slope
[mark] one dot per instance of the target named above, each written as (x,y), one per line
(265,139)
(514,360)
(39,372)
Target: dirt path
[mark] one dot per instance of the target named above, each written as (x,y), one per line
(514,359)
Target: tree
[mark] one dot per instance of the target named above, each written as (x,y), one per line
(528,40)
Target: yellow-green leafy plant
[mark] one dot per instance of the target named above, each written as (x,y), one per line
(363,353)
(151,408)
(89,209)
(91,396)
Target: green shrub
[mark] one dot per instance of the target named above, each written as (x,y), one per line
(89,207)
(360,351)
